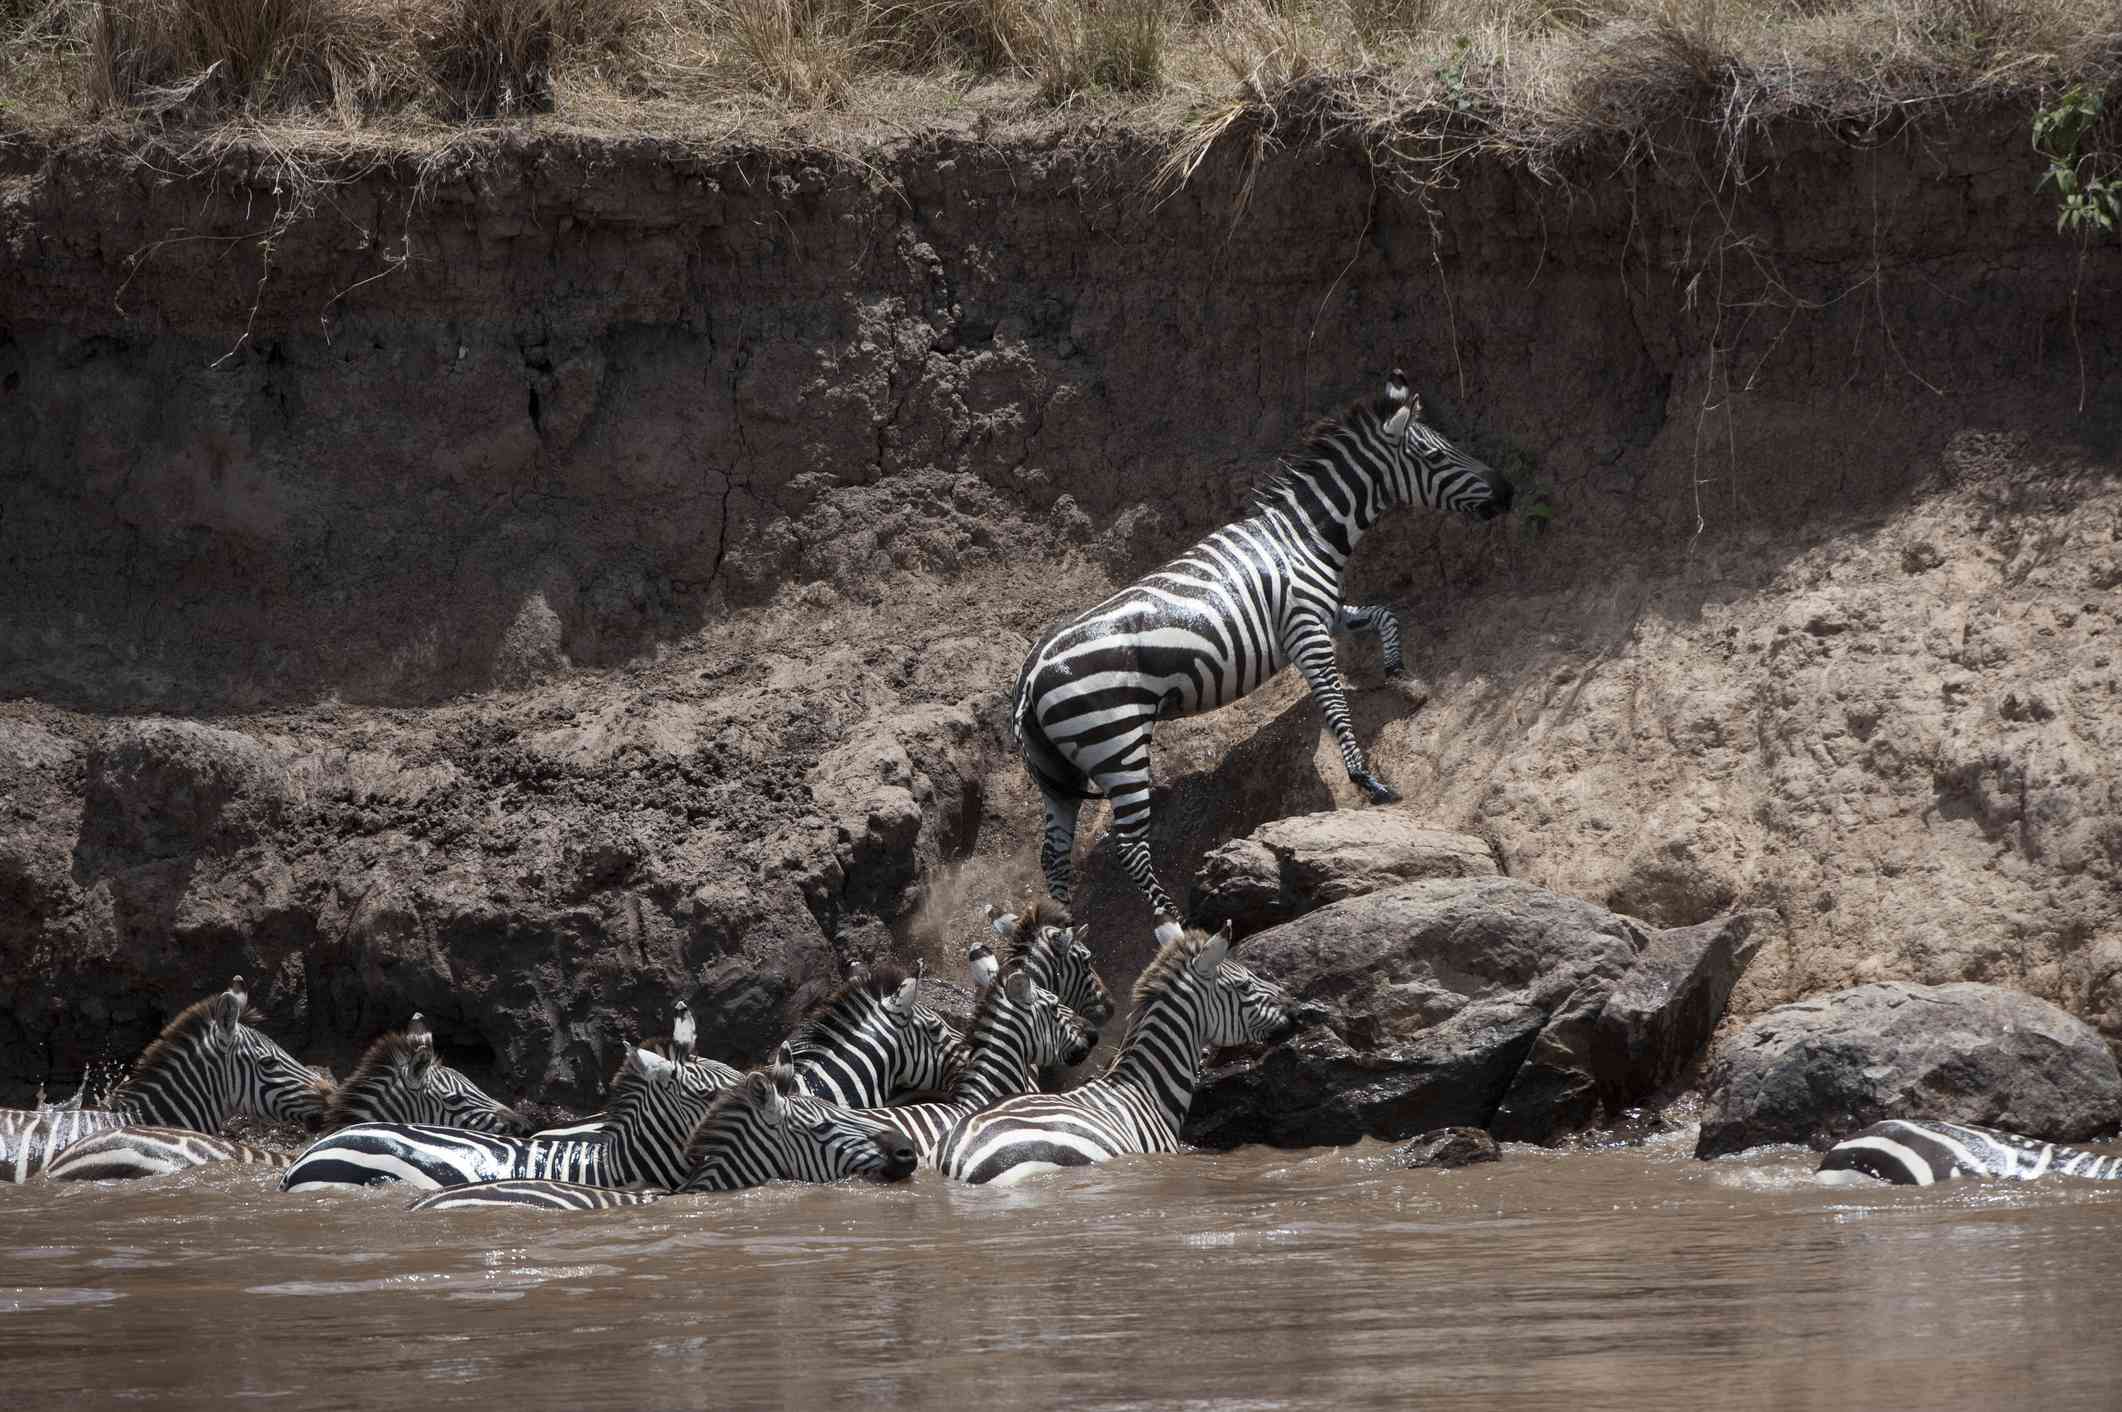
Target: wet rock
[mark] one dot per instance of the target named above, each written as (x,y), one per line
(1293,866)
(1655,1023)
(1447,1147)
(1816,1071)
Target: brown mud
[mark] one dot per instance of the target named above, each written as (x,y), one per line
(594,571)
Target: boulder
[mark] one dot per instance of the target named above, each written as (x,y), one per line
(1816,1071)
(1478,1002)
(1447,1147)
(167,789)
(1289,867)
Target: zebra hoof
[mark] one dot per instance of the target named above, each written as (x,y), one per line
(1376,790)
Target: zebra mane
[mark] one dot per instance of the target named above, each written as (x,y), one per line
(1031,930)
(1168,965)
(1316,448)
(877,985)
(376,1065)
(177,1036)
(731,1104)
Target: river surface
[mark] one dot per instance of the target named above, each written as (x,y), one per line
(1628,1277)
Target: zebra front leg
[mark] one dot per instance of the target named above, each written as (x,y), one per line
(1376,619)
(1126,784)
(1311,647)
(1057,852)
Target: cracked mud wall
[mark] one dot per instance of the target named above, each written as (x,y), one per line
(610,562)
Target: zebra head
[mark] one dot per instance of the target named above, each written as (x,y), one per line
(767,1128)
(399,1080)
(1059,959)
(1059,1036)
(1229,1004)
(655,1105)
(1428,467)
(209,1065)
(873,1040)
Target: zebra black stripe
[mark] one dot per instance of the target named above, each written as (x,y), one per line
(872,1041)
(1192,995)
(131,1152)
(768,1128)
(1223,618)
(539,1195)
(1919,1152)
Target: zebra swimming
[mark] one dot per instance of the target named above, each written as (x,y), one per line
(678,1048)
(207,1066)
(1043,941)
(873,1040)
(1191,996)
(1920,1152)
(1221,619)
(397,1080)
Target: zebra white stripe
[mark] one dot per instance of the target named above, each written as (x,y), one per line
(208,1065)
(539,1195)
(678,1048)
(872,1041)
(132,1152)
(1191,996)
(1019,1029)
(644,1143)
(1043,942)
(1223,618)
(1921,1152)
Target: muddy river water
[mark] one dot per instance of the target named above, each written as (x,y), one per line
(1627,1277)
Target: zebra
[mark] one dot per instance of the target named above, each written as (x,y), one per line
(643,1143)
(1223,618)
(208,1065)
(1190,996)
(398,1080)
(873,1040)
(678,1048)
(1055,953)
(1018,1029)
(1919,1152)
(771,1128)
(764,1128)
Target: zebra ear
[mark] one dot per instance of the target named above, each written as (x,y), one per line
(228,1006)
(418,1032)
(1212,953)
(1017,985)
(785,1057)
(1396,388)
(901,1001)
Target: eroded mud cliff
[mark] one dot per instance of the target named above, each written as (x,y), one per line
(550,576)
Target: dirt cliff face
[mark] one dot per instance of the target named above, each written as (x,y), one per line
(578,574)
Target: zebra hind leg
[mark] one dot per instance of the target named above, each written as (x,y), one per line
(1057,852)
(1377,620)
(1128,789)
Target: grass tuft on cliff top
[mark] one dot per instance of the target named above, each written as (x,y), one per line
(1423,81)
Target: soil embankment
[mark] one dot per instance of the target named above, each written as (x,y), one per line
(591,572)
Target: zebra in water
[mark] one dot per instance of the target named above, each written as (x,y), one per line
(678,1048)
(1192,995)
(399,1080)
(208,1065)
(873,1040)
(643,1143)
(1019,1028)
(764,1128)
(1042,941)
(1223,618)
(1919,1152)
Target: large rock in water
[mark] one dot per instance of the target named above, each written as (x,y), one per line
(1292,866)
(1477,1002)
(1817,1071)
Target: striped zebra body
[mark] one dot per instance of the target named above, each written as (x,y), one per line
(399,1080)
(651,1122)
(1045,944)
(132,1152)
(208,1065)
(538,1195)
(1191,996)
(872,1041)
(30,1139)
(1920,1152)
(769,1128)
(1019,1029)
(1222,619)
(679,1049)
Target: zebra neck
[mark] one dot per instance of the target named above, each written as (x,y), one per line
(1327,512)
(990,1077)
(1161,1060)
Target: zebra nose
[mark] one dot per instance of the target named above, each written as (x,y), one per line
(1500,496)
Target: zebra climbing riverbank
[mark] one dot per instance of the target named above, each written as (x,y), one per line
(398,1080)
(1191,996)
(1220,620)
(209,1064)
(1920,1152)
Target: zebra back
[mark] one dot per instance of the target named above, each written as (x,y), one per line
(370,1154)
(767,1128)
(872,1040)
(539,1195)
(209,1065)
(1920,1152)
(29,1141)
(142,1151)
(399,1080)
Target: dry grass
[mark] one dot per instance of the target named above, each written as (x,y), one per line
(1423,80)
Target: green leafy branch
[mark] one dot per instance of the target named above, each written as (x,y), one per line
(2090,196)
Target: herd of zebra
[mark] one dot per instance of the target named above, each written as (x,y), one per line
(873,1083)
